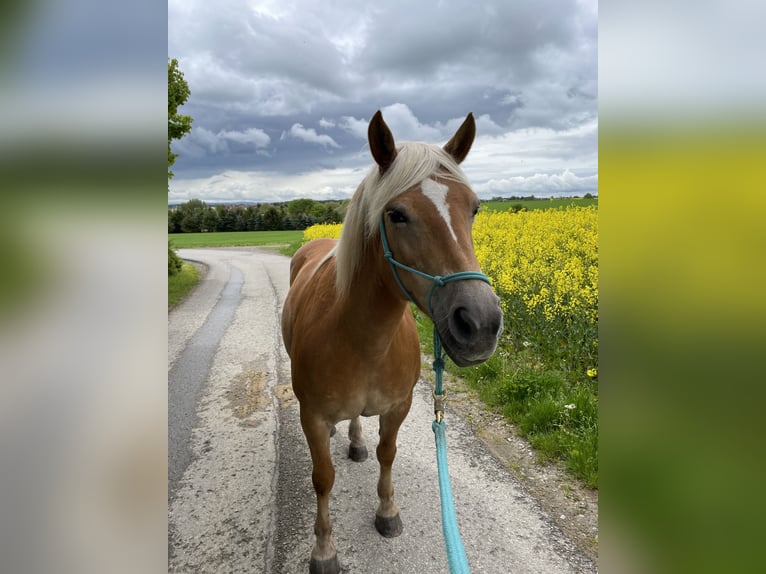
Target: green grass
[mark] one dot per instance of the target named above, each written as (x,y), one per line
(557,412)
(181,283)
(530,204)
(234,238)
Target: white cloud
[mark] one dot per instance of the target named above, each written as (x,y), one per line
(202,141)
(539,184)
(354,126)
(406,126)
(255,136)
(326,124)
(311,136)
(266,186)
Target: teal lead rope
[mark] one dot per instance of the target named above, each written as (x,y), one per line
(458,563)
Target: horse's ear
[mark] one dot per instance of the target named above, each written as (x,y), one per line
(381,141)
(460,144)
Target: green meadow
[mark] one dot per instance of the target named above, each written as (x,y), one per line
(530,204)
(234,238)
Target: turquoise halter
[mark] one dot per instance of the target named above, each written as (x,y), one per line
(437,280)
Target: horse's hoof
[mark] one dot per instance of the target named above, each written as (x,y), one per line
(389,527)
(329,566)
(357,453)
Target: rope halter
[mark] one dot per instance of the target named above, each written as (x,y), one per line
(437,281)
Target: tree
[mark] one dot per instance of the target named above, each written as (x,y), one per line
(272,219)
(174,220)
(178,125)
(210,219)
(193,211)
(298,207)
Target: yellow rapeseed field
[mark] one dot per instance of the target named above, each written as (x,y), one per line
(544,266)
(546,258)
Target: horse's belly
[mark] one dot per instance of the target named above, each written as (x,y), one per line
(354,388)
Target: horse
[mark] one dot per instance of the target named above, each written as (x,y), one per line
(347,324)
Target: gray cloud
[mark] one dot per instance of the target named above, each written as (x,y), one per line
(286,88)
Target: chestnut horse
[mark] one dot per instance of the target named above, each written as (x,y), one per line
(347,324)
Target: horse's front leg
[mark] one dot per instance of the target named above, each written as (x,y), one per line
(324,557)
(387,519)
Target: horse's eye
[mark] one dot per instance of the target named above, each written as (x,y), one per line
(397,216)
(475,210)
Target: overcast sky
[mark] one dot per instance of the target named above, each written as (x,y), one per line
(282,91)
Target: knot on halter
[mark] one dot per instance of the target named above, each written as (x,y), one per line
(439,280)
(438,363)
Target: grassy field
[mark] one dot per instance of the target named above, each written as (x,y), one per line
(234,238)
(530,204)
(181,283)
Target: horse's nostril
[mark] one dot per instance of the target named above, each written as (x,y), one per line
(464,326)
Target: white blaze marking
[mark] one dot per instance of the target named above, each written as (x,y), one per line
(437,193)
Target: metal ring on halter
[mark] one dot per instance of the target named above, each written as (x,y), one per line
(439,402)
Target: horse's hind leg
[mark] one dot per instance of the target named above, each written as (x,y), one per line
(357,450)
(324,557)
(387,519)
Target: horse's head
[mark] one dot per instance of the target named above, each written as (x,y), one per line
(427,228)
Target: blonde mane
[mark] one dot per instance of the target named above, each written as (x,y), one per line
(414,163)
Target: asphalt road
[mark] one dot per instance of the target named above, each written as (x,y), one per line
(239,474)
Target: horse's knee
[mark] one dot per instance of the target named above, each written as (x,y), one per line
(386,453)
(323,478)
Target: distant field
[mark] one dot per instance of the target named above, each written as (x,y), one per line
(531,204)
(232,238)
(236,238)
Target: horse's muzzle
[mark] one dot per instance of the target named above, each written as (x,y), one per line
(468,319)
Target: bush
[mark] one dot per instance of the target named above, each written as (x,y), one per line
(174,261)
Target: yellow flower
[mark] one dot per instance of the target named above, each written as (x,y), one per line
(591,373)
(322,230)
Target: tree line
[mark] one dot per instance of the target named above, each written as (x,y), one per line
(196,216)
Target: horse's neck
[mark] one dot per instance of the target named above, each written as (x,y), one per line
(375,304)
